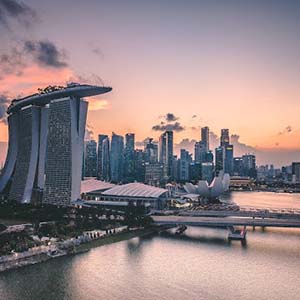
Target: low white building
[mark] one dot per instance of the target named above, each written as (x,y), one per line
(132,193)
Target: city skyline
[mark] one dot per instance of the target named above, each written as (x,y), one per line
(237,69)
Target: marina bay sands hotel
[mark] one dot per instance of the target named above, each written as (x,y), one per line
(45,150)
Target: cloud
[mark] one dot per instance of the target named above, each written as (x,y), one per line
(89,133)
(98,52)
(97,104)
(170,117)
(45,53)
(163,127)
(287,129)
(90,79)
(11,63)
(169,123)
(141,144)
(241,148)
(194,116)
(18,11)
(4,102)
(186,144)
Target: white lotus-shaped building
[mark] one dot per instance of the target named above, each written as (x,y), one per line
(219,185)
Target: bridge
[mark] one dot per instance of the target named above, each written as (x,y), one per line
(248,212)
(225,221)
(230,219)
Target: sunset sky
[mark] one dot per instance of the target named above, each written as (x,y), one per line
(222,64)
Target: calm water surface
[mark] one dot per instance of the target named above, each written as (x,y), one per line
(200,264)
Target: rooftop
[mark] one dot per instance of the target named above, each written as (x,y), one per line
(49,93)
(135,189)
(93,184)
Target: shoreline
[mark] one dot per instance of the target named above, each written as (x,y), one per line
(43,257)
(114,238)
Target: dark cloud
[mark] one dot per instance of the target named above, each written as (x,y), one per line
(98,52)
(11,63)
(90,79)
(170,117)
(16,10)
(141,144)
(4,102)
(287,129)
(163,127)
(194,116)
(45,53)
(169,123)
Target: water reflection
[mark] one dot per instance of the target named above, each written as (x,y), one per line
(199,264)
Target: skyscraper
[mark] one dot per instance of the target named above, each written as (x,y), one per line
(249,165)
(296,171)
(90,159)
(224,137)
(220,156)
(64,151)
(238,166)
(200,152)
(184,163)
(207,171)
(116,158)
(101,138)
(129,166)
(151,152)
(228,161)
(166,153)
(105,160)
(224,154)
(205,137)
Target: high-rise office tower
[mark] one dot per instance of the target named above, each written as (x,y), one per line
(207,171)
(151,152)
(46,132)
(166,153)
(296,171)
(105,160)
(90,159)
(249,165)
(224,137)
(184,163)
(220,156)
(228,159)
(101,138)
(200,152)
(238,166)
(116,158)
(129,164)
(205,137)
(139,161)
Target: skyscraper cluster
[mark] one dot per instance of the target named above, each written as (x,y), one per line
(118,160)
